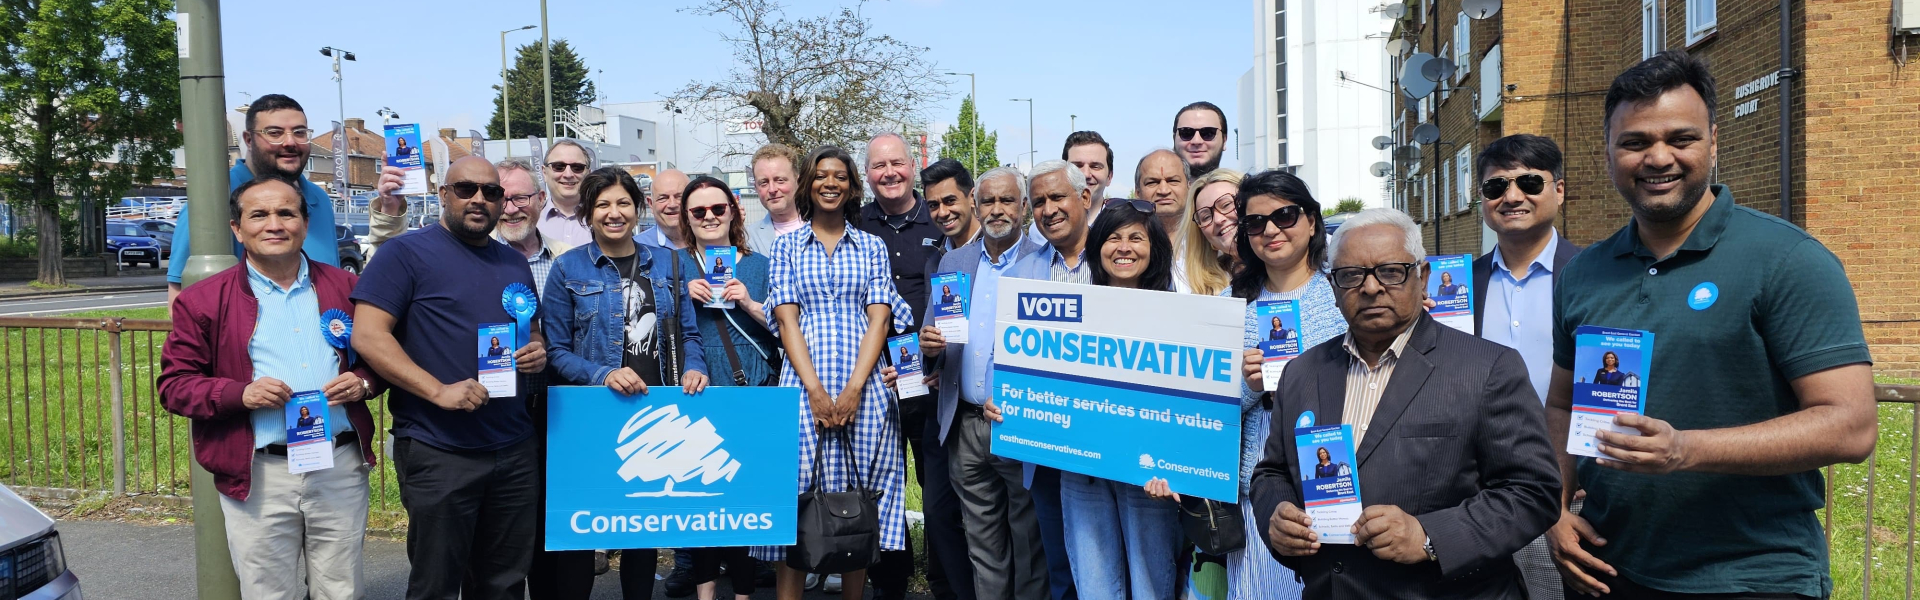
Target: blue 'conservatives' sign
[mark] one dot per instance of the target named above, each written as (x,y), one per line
(669,470)
(1121,384)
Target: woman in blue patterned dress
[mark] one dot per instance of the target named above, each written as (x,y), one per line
(834,304)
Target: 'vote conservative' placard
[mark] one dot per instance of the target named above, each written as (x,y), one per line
(1121,384)
(667,470)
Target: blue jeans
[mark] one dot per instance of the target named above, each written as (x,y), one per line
(1121,542)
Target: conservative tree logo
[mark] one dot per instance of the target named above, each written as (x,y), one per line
(660,444)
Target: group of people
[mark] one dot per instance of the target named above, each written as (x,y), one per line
(1459,437)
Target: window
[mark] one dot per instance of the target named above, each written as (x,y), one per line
(1653,28)
(1702,17)
(1463,163)
(1462,48)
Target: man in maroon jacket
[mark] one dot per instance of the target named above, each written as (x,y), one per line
(245,343)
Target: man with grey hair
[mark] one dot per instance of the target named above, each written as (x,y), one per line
(901,219)
(1162,178)
(1002,535)
(519,224)
(1061,204)
(1450,441)
(566,164)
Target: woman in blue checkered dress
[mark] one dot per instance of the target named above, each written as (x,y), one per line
(835,305)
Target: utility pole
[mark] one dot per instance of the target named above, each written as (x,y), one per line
(506,104)
(546,68)
(340,81)
(203,89)
(1030,131)
(1073,123)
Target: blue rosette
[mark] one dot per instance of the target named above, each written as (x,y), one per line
(337,327)
(520,302)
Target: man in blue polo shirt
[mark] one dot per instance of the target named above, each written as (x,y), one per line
(1759,375)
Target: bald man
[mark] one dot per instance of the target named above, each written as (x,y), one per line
(466,457)
(669,194)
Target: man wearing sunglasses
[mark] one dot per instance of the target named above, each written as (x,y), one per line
(276,139)
(468,462)
(1453,456)
(566,164)
(1200,134)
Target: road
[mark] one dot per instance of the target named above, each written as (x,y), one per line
(49,306)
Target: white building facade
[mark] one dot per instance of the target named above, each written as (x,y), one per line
(1310,101)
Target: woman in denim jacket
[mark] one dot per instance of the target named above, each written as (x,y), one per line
(606,312)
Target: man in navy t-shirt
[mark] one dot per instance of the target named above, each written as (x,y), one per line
(419,309)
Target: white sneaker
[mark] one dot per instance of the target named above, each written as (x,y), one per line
(832,586)
(813,581)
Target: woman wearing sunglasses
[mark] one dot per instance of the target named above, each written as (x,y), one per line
(735,339)
(1211,257)
(1122,543)
(607,314)
(833,304)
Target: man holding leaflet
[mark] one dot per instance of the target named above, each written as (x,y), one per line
(1452,460)
(1760,376)
(464,452)
(244,342)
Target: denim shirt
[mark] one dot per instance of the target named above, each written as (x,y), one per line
(584,315)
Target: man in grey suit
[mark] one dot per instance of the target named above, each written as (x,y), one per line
(1453,462)
(1003,535)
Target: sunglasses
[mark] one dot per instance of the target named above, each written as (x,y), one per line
(1347,278)
(466,189)
(1138,205)
(562,167)
(1186,133)
(1284,217)
(700,212)
(1530,184)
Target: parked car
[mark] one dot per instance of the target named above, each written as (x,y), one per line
(351,258)
(160,231)
(33,563)
(131,245)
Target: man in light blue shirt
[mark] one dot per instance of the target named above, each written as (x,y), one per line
(1520,178)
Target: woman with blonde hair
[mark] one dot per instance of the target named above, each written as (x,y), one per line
(1207,243)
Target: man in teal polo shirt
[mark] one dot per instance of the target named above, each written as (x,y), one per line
(276,141)
(1759,375)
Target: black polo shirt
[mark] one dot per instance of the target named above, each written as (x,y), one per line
(1747,304)
(914,246)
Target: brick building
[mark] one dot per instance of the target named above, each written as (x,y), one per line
(1852,129)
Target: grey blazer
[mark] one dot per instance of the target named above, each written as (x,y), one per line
(965,259)
(1458,440)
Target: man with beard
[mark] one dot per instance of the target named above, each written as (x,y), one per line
(1200,133)
(901,219)
(276,140)
(563,221)
(518,227)
(669,196)
(774,180)
(1761,376)
(467,462)
(1002,533)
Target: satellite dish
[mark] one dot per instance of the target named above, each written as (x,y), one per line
(1382,169)
(1406,153)
(1426,133)
(1382,142)
(1437,70)
(1412,80)
(1480,9)
(1398,46)
(1397,10)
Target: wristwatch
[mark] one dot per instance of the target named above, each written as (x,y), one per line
(1428,546)
(366,393)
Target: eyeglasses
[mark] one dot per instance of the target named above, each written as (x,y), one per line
(522,200)
(465,189)
(1495,187)
(1347,278)
(276,135)
(1222,205)
(1138,205)
(700,212)
(1186,133)
(562,167)
(1282,218)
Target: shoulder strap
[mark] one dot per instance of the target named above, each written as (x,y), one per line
(733,356)
(674,339)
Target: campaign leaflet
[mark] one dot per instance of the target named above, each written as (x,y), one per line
(719,264)
(904,352)
(309,439)
(404,152)
(950,299)
(496,360)
(1279,322)
(1329,484)
(1450,285)
(1610,377)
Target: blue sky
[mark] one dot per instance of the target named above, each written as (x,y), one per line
(1123,67)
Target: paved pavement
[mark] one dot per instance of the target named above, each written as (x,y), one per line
(43,306)
(125,560)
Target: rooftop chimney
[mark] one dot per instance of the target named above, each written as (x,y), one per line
(356,123)
(447,132)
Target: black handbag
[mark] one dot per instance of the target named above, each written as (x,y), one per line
(837,532)
(1213,527)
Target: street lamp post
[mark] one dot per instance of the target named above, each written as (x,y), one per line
(1073,122)
(973,93)
(546,68)
(506,107)
(1030,132)
(340,81)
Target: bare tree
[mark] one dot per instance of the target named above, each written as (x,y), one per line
(828,79)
